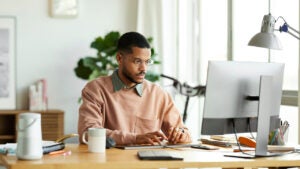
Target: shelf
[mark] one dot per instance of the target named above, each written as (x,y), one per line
(52,124)
(7,137)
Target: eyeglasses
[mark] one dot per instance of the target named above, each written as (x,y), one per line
(139,62)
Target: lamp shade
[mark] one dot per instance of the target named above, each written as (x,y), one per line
(266,38)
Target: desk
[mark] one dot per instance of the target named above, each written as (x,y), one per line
(127,159)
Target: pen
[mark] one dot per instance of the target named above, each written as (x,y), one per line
(57,152)
(242,150)
(274,135)
(62,152)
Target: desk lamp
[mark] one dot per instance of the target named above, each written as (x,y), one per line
(266,37)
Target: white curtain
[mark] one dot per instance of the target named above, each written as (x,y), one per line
(174,26)
(152,20)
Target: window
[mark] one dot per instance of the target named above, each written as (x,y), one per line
(213,33)
(225,30)
(245,22)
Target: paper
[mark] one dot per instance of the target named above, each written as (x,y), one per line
(8,148)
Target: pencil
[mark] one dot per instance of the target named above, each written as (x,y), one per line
(57,152)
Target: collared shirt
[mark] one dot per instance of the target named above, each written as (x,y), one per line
(118,84)
(124,113)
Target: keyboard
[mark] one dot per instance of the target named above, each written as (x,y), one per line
(130,147)
(159,155)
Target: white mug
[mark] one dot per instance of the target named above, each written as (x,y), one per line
(96,139)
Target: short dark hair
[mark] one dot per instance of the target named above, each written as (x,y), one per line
(132,39)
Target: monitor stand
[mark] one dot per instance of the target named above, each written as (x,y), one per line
(263,123)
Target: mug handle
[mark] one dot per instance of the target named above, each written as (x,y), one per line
(26,127)
(83,137)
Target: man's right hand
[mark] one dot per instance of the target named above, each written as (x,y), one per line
(150,138)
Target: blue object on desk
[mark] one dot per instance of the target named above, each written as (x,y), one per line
(110,142)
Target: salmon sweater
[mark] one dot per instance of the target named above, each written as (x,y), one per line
(125,113)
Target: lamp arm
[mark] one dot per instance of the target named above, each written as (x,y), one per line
(293,29)
(285,28)
(293,35)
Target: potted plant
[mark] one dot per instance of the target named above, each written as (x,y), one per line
(91,67)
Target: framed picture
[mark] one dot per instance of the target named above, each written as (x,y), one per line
(63,8)
(7,62)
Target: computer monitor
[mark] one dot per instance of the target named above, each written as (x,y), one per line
(236,92)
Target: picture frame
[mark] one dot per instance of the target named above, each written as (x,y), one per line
(63,8)
(7,62)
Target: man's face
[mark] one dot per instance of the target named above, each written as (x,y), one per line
(133,66)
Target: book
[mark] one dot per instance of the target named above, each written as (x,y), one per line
(216,142)
(50,146)
(221,138)
(58,144)
(47,146)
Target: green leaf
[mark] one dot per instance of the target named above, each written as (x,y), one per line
(153,77)
(156,62)
(108,44)
(111,39)
(111,42)
(153,53)
(150,39)
(98,44)
(90,62)
(94,74)
(82,71)
(110,51)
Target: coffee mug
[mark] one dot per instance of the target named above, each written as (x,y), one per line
(96,139)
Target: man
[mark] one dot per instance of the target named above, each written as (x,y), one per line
(132,109)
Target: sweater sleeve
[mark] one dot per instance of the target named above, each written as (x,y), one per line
(91,115)
(172,116)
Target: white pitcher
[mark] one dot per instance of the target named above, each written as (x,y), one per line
(29,137)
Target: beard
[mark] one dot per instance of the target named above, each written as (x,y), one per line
(130,77)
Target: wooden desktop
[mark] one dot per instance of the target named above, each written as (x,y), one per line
(127,159)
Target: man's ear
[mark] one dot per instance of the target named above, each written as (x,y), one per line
(118,57)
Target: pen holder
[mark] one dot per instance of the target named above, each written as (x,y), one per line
(278,136)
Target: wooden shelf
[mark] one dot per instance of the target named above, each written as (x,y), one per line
(52,122)
(7,137)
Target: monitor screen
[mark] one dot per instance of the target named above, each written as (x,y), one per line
(229,84)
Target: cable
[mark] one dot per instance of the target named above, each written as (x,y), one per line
(249,128)
(236,138)
(186,90)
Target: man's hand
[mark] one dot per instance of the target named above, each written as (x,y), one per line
(150,138)
(179,135)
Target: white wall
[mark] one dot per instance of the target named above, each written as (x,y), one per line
(50,47)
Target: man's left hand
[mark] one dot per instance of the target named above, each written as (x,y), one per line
(179,135)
